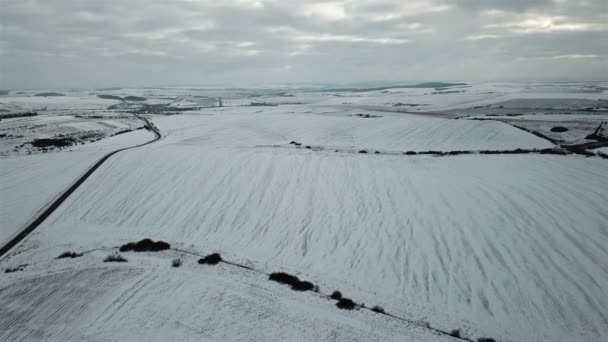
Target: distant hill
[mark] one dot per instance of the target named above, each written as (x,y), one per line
(49,94)
(126,98)
(419,85)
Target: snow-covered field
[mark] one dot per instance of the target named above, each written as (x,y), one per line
(505,246)
(28,183)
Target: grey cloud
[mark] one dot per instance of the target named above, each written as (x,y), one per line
(137,42)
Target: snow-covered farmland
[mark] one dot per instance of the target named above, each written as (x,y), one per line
(505,246)
(28,183)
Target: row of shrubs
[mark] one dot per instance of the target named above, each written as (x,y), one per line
(294,282)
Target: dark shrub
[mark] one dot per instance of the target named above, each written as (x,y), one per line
(345,304)
(145,245)
(68,254)
(15,269)
(292,142)
(294,282)
(283,278)
(134,98)
(455,333)
(303,286)
(308,147)
(486,339)
(410,153)
(336,295)
(377,152)
(211,259)
(176,262)
(115,258)
(559,129)
(378,309)
(53,142)
(363,151)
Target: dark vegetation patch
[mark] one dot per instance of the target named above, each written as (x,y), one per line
(308,147)
(262,104)
(378,309)
(4,92)
(211,259)
(559,129)
(176,262)
(540,135)
(134,98)
(337,295)
(431,152)
(363,151)
(399,104)
(145,245)
(345,304)
(115,258)
(54,142)
(123,131)
(368,116)
(49,94)
(486,339)
(410,153)
(69,254)
(598,134)
(552,151)
(580,150)
(455,333)
(109,97)
(15,269)
(377,152)
(17,115)
(294,282)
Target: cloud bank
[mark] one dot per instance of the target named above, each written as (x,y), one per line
(69,43)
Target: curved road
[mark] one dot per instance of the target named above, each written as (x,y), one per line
(25,231)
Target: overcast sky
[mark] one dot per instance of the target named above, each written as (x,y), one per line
(80,43)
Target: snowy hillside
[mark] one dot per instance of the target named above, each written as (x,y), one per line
(508,245)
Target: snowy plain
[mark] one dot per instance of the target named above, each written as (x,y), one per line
(506,246)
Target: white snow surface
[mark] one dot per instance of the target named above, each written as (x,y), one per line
(506,246)
(29,183)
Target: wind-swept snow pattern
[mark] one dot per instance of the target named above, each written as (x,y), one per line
(506,246)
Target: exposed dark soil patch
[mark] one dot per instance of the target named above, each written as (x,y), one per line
(211,259)
(145,245)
